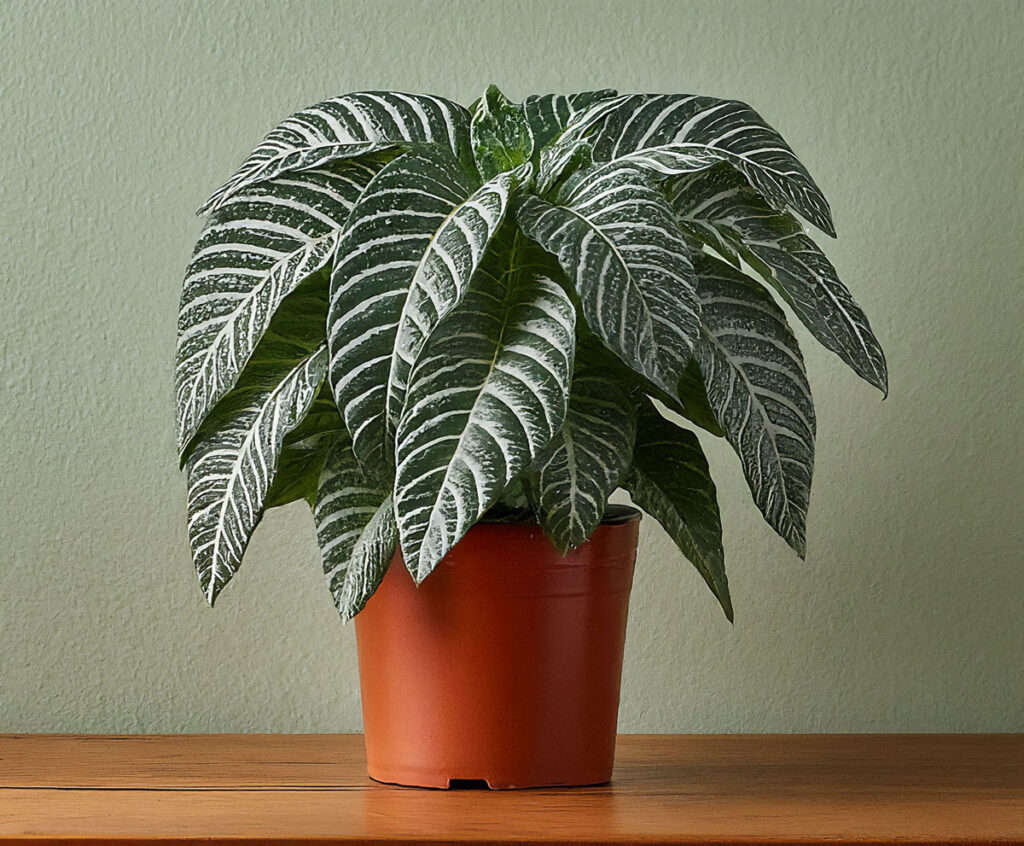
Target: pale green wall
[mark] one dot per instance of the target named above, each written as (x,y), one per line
(119,118)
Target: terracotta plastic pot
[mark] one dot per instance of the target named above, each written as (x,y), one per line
(504,665)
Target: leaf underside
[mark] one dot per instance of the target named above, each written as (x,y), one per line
(670,480)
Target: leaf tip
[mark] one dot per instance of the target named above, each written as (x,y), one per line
(210,205)
(794,534)
(493,96)
(419,568)
(882,381)
(720,588)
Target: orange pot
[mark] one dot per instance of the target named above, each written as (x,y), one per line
(504,665)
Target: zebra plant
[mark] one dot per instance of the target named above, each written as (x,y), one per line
(416,316)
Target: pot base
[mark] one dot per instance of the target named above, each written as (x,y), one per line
(476,783)
(440,781)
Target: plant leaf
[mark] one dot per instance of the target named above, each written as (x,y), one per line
(500,133)
(585,122)
(719,206)
(232,467)
(347,127)
(585,460)
(671,481)
(443,275)
(356,530)
(487,395)
(549,114)
(252,254)
(677,132)
(691,401)
(304,451)
(617,240)
(757,386)
(391,228)
(560,161)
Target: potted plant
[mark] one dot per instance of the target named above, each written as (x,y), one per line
(455,333)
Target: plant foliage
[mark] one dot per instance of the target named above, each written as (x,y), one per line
(414,315)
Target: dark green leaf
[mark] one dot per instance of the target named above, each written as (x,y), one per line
(674,133)
(234,458)
(347,127)
(260,245)
(671,481)
(304,451)
(412,243)
(549,114)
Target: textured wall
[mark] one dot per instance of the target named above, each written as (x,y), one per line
(119,118)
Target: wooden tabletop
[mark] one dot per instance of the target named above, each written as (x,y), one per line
(708,789)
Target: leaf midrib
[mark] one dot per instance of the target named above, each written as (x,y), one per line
(648,318)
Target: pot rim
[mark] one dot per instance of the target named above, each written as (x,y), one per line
(615,514)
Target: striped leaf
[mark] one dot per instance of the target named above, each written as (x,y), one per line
(304,451)
(757,386)
(231,469)
(680,133)
(443,274)
(617,239)
(671,481)
(586,459)
(487,395)
(252,254)
(588,118)
(405,209)
(347,127)
(355,527)
(559,162)
(549,114)
(721,208)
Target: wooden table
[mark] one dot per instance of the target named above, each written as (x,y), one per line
(863,789)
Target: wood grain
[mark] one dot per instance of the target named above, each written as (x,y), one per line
(733,789)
